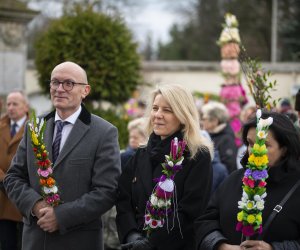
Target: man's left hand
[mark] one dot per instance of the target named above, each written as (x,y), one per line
(255,245)
(48,221)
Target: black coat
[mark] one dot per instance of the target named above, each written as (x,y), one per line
(224,142)
(220,219)
(193,185)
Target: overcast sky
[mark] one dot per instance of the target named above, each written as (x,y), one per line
(154,17)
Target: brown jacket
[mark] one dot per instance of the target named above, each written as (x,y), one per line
(8,148)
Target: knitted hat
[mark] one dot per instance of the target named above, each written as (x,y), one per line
(297,101)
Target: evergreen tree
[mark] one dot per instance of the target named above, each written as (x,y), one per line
(102,45)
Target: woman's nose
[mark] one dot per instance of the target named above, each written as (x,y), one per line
(159,114)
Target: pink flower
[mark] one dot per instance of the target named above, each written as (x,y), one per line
(230,66)
(262,184)
(239,226)
(231,92)
(160,193)
(248,231)
(236,125)
(45,173)
(234,108)
(248,182)
(260,229)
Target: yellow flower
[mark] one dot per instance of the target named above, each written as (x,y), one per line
(251,158)
(259,149)
(259,217)
(250,218)
(38,155)
(34,139)
(262,134)
(43,147)
(240,216)
(250,204)
(256,147)
(258,160)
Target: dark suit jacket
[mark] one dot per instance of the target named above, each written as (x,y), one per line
(193,184)
(86,171)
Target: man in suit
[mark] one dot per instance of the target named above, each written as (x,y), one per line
(12,128)
(86,170)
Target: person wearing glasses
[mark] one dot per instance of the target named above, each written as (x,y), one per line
(84,151)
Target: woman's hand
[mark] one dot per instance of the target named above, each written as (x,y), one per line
(225,246)
(255,245)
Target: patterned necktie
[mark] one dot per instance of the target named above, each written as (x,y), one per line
(56,144)
(13,129)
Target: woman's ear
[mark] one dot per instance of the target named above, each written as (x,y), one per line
(283,151)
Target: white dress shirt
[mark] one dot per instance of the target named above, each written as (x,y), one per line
(19,123)
(67,128)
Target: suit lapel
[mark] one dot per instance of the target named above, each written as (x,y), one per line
(48,136)
(78,131)
(5,131)
(145,173)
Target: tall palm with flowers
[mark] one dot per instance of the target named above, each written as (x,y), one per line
(47,182)
(159,205)
(254,182)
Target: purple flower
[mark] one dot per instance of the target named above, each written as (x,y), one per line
(177,168)
(258,175)
(248,172)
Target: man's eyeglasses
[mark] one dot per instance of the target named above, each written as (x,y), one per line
(66,84)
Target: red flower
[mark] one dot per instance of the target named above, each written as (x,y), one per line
(248,182)
(154,223)
(262,184)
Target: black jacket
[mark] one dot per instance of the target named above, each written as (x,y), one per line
(224,142)
(193,185)
(219,221)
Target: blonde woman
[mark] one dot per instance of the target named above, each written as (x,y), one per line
(137,137)
(171,113)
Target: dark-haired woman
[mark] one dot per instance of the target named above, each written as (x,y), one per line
(216,229)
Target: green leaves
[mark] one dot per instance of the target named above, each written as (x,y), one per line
(259,84)
(101,44)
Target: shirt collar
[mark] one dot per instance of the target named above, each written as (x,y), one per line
(72,118)
(19,122)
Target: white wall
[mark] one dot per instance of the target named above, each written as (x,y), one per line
(199,76)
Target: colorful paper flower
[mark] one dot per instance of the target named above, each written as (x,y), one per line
(49,189)
(254,182)
(158,207)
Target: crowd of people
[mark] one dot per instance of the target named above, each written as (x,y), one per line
(176,186)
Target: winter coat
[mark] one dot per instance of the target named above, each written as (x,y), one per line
(218,224)
(193,186)
(8,148)
(224,142)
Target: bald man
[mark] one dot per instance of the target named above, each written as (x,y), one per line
(86,169)
(12,129)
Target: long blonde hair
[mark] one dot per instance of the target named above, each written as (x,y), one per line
(182,103)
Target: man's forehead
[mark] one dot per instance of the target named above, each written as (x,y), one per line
(68,71)
(15,97)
